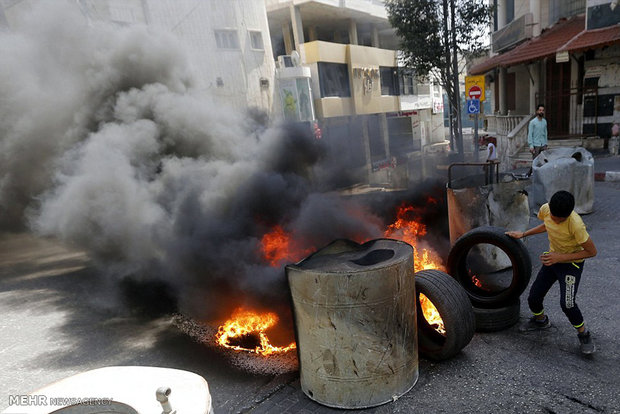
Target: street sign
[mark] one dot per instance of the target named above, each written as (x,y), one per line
(475,92)
(473,106)
(474,87)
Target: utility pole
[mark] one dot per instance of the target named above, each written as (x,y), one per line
(447,77)
(455,77)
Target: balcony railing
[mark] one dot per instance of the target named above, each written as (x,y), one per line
(511,133)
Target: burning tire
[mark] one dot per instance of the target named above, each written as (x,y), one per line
(490,288)
(497,319)
(438,342)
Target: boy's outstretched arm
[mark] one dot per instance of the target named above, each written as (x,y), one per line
(520,234)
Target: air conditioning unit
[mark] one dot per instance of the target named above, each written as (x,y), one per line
(285,61)
(289,61)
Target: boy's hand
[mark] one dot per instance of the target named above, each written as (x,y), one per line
(549,258)
(514,234)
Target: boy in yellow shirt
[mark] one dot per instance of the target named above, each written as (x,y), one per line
(569,245)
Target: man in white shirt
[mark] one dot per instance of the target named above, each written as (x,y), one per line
(491,158)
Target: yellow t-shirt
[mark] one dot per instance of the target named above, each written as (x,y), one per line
(567,236)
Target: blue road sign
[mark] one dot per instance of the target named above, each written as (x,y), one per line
(473,106)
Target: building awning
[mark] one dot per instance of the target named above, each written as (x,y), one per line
(537,48)
(593,39)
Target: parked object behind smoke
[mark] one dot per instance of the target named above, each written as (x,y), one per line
(569,169)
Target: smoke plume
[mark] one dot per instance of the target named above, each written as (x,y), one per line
(106,145)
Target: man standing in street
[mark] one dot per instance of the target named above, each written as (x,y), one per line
(537,133)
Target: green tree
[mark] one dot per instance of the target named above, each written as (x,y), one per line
(437,36)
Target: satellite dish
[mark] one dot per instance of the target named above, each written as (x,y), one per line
(295,58)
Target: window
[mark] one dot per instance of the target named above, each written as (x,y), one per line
(389,80)
(510,11)
(226,39)
(401,136)
(567,8)
(334,80)
(256,40)
(407,82)
(424,89)
(375,139)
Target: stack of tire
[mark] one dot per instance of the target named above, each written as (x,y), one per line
(499,309)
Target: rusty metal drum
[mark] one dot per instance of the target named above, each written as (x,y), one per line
(355,320)
(503,204)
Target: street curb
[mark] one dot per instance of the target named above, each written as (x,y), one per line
(607,176)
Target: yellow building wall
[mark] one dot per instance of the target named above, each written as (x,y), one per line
(333,107)
(319,51)
(363,64)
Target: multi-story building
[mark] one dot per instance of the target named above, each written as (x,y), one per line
(561,53)
(228,41)
(372,113)
(337,67)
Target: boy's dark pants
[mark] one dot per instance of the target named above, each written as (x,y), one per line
(568,276)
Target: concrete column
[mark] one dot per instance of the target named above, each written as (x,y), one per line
(385,134)
(576,123)
(502,92)
(312,33)
(535,87)
(352,32)
(535,10)
(366,142)
(501,14)
(297,26)
(374,39)
(286,35)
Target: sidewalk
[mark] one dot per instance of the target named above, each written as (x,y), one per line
(606,166)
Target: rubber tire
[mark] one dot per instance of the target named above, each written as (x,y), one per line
(493,320)
(517,253)
(455,309)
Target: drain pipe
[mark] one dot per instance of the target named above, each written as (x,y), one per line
(162,394)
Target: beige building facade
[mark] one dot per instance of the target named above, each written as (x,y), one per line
(368,108)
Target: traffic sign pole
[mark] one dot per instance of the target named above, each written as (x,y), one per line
(476,148)
(474,87)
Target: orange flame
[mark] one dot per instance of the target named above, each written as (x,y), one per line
(278,247)
(407,229)
(475,280)
(431,314)
(245,331)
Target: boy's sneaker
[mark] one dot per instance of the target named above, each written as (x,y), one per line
(586,344)
(535,324)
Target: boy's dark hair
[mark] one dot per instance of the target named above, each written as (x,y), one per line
(562,204)
(538,106)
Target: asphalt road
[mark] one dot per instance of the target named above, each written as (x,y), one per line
(60,316)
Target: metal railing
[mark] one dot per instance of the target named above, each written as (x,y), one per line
(488,171)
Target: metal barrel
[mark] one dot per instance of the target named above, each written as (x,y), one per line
(355,320)
(564,168)
(503,204)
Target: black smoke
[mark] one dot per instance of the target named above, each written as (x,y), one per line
(107,145)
